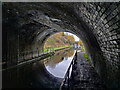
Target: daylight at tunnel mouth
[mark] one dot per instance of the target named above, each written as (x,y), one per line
(60,45)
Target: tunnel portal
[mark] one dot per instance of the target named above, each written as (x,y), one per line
(26,27)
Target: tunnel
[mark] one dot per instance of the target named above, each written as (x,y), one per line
(26,26)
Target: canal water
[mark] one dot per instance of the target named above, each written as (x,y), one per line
(46,73)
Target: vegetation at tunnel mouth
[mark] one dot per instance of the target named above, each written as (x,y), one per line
(58,41)
(61,40)
(53,49)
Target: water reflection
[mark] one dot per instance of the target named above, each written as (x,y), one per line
(58,64)
(35,75)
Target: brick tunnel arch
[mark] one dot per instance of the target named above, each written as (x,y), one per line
(96,24)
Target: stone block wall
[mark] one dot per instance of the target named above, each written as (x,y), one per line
(104,21)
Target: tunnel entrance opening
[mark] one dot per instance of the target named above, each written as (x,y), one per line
(64,45)
(62,40)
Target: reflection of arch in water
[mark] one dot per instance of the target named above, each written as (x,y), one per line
(70,53)
(59,57)
(33,75)
(45,77)
(60,68)
(57,65)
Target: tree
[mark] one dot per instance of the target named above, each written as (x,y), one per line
(71,38)
(80,43)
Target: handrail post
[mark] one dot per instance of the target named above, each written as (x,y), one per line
(23,57)
(68,80)
(76,55)
(75,61)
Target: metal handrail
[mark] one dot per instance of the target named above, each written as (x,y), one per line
(67,75)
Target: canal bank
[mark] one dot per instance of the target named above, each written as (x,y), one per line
(50,72)
(39,74)
(33,59)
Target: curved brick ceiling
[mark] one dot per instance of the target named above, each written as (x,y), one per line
(97,25)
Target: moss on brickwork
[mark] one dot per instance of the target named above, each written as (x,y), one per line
(88,60)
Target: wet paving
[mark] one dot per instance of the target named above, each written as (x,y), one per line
(85,76)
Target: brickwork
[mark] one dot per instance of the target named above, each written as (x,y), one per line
(104,21)
(97,24)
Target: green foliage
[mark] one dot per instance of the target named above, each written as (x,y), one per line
(63,34)
(88,60)
(52,40)
(83,47)
(58,40)
(53,49)
(45,50)
(86,56)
